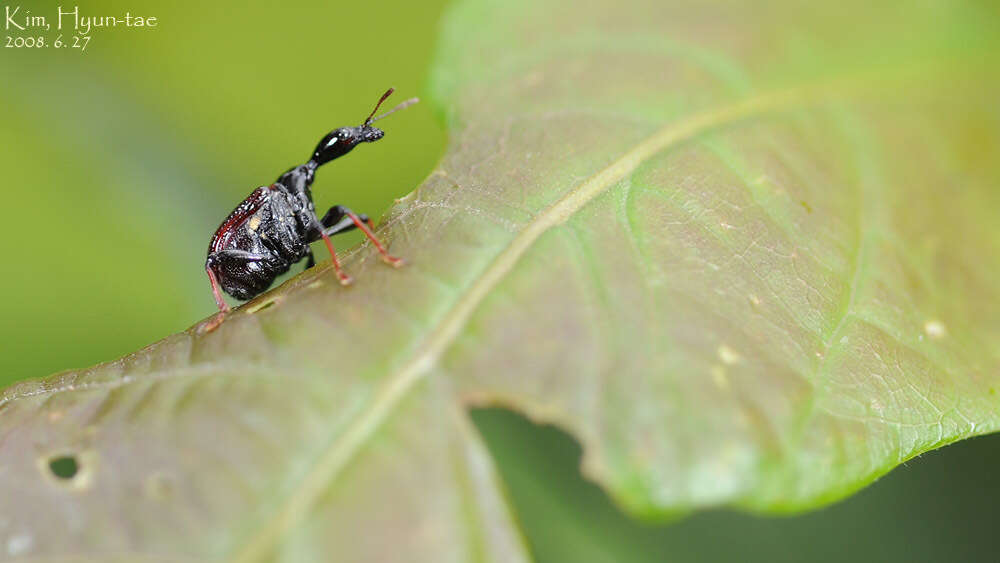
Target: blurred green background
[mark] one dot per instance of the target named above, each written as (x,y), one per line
(119,162)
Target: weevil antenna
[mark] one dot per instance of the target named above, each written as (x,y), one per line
(402,105)
(380,100)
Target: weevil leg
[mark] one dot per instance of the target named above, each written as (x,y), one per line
(213,258)
(310,260)
(216,291)
(330,224)
(336,221)
(339,214)
(344,278)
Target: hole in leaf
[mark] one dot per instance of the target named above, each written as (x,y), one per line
(74,470)
(64,466)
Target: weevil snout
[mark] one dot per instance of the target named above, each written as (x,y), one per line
(341,141)
(371,134)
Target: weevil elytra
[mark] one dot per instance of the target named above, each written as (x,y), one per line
(272,228)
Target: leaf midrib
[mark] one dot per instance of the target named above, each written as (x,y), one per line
(334,457)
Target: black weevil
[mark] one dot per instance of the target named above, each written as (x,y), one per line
(272,228)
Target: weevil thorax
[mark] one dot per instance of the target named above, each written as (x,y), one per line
(294,185)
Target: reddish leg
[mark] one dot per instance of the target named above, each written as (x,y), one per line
(389,259)
(344,278)
(223,308)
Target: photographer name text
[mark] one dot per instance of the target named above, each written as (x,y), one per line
(27,27)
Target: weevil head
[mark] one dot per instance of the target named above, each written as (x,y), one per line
(341,141)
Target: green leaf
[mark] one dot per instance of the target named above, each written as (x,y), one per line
(745,255)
